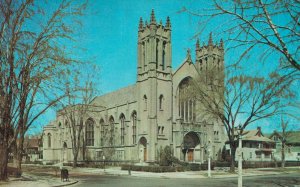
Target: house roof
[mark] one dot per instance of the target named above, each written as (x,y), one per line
(255,135)
(292,136)
(32,143)
(257,138)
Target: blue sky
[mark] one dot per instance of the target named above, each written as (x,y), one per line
(109,38)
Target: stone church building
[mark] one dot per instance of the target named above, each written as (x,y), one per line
(140,119)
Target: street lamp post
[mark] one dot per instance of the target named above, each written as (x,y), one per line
(208,169)
(240,172)
(103,157)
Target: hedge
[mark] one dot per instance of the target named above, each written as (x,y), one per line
(155,169)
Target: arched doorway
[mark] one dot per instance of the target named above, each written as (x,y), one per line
(190,141)
(65,152)
(143,149)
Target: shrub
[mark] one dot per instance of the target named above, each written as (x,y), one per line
(12,171)
(155,169)
(166,156)
(179,168)
(194,167)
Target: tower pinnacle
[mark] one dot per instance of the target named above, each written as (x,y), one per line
(197,44)
(221,43)
(152,19)
(168,22)
(141,25)
(210,42)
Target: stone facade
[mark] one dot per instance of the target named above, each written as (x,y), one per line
(149,115)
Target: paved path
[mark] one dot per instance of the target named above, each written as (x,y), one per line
(280,180)
(43,177)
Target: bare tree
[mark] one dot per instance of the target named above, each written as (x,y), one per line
(32,57)
(267,28)
(283,135)
(239,100)
(75,110)
(108,142)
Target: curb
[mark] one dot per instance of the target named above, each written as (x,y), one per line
(66,184)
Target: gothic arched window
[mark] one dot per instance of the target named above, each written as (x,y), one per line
(89,132)
(156,55)
(163,58)
(122,121)
(49,140)
(133,118)
(186,104)
(112,130)
(145,102)
(102,126)
(161,98)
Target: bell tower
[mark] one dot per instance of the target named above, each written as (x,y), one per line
(154,48)
(154,84)
(210,59)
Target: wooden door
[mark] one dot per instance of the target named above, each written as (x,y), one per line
(145,154)
(190,155)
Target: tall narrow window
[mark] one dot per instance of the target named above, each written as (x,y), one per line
(163,55)
(190,110)
(89,132)
(186,106)
(145,102)
(161,98)
(156,55)
(49,140)
(133,118)
(112,130)
(194,110)
(122,121)
(102,132)
(144,56)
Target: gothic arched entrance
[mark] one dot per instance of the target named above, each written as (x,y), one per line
(190,141)
(143,149)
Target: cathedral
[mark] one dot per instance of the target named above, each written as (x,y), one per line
(136,122)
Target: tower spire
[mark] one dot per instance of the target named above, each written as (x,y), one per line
(168,23)
(221,43)
(141,25)
(210,42)
(197,44)
(152,19)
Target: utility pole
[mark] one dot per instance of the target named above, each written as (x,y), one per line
(240,172)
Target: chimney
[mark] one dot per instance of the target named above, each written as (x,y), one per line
(259,131)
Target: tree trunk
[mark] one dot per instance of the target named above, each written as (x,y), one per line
(3,160)
(232,160)
(18,156)
(17,164)
(75,160)
(283,154)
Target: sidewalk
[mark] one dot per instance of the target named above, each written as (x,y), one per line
(46,178)
(29,180)
(116,171)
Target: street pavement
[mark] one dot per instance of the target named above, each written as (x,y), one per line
(114,176)
(280,180)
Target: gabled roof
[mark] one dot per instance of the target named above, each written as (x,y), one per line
(118,97)
(292,136)
(187,60)
(255,135)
